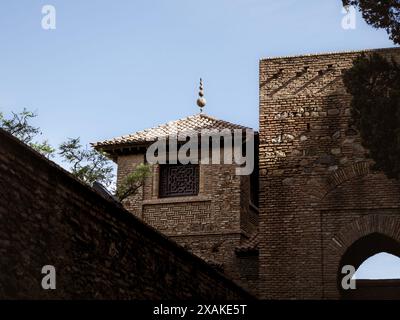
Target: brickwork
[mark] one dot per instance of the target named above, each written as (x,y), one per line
(321,206)
(249,270)
(126,165)
(211,224)
(99,250)
(316,186)
(248,210)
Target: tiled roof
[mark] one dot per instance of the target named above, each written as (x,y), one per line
(191,124)
(250,244)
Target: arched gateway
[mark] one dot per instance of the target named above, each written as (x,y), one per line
(321,205)
(356,254)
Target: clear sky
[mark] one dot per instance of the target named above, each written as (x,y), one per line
(379,266)
(115,67)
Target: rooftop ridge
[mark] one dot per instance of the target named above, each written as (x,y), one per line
(192,123)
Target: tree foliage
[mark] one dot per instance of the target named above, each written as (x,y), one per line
(88,165)
(380,14)
(19,126)
(133,181)
(374,83)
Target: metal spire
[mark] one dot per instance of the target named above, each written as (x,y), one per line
(201,101)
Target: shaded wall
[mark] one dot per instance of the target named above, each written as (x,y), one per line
(388,289)
(211,224)
(99,250)
(318,194)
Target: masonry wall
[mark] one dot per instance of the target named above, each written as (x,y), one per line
(99,250)
(211,224)
(318,194)
(248,265)
(126,165)
(388,289)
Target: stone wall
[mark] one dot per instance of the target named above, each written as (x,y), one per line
(318,194)
(211,224)
(99,250)
(126,165)
(388,289)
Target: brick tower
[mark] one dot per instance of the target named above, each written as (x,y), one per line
(206,208)
(321,205)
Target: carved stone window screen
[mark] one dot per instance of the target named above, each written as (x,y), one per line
(179,180)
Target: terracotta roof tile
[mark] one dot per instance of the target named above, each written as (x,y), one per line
(191,124)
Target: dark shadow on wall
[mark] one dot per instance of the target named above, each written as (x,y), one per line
(98,249)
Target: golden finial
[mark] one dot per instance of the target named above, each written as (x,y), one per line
(201,101)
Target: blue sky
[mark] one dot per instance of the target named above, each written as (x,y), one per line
(115,67)
(380,266)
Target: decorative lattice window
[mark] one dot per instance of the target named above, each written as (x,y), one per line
(179,180)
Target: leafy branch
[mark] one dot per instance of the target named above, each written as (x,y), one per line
(133,181)
(374,83)
(18,125)
(88,165)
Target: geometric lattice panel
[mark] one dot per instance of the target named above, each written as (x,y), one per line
(179,180)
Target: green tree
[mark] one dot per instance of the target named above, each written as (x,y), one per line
(19,126)
(374,83)
(88,165)
(131,184)
(380,14)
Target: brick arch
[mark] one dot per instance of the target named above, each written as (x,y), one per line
(319,188)
(345,174)
(388,225)
(356,242)
(373,223)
